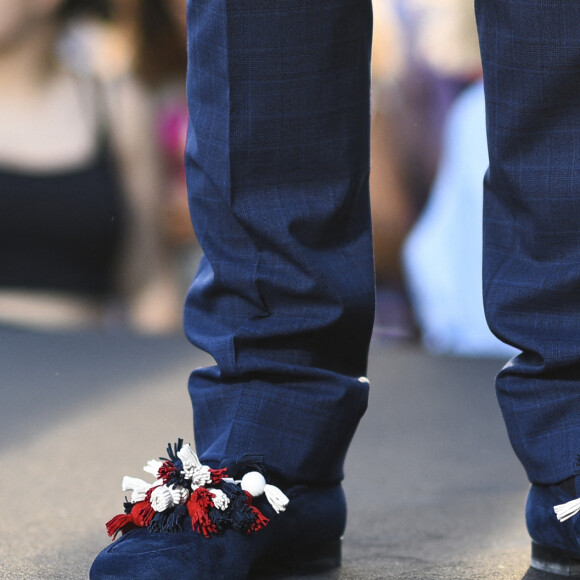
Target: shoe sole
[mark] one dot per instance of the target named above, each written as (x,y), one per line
(299,563)
(555,561)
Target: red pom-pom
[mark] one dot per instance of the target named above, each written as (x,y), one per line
(198,506)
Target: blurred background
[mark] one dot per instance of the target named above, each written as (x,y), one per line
(94,224)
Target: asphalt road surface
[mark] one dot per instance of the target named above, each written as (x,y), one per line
(434,489)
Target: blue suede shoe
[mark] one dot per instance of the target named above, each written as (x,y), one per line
(555,544)
(195,522)
(304,539)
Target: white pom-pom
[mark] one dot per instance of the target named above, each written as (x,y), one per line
(152,467)
(161,498)
(254,483)
(179,494)
(220,500)
(276,498)
(567,510)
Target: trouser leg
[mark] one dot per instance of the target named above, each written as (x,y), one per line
(531,59)
(277,164)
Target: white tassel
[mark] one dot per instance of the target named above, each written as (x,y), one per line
(199,476)
(567,510)
(276,498)
(220,500)
(255,484)
(152,467)
(161,498)
(179,494)
(189,459)
(139,487)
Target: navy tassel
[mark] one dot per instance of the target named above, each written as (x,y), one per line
(175,523)
(158,522)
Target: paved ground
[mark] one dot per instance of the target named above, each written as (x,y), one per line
(434,489)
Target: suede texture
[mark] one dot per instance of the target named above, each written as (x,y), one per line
(543,525)
(314,519)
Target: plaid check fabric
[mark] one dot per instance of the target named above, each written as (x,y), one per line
(277,167)
(531,57)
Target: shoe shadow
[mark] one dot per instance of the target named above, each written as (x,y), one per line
(533,574)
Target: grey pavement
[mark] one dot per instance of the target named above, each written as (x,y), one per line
(434,489)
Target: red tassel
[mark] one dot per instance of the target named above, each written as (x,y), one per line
(143,513)
(198,506)
(260,522)
(120,523)
(140,517)
(218,474)
(166,471)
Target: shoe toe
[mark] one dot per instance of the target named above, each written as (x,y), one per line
(184,556)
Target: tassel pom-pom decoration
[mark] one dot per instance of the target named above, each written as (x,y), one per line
(139,487)
(218,474)
(254,483)
(175,522)
(188,458)
(567,510)
(185,489)
(199,476)
(120,523)
(198,506)
(166,471)
(179,494)
(260,521)
(142,514)
(220,500)
(276,498)
(161,498)
(152,467)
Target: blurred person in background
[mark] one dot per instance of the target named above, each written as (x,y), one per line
(424,55)
(442,254)
(80,240)
(146,39)
(160,63)
(392,204)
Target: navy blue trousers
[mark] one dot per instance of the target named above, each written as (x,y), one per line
(531,58)
(277,163)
